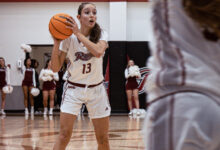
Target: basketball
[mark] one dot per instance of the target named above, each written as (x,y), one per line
(57,26)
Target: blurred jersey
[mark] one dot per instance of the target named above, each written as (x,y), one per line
(182,58)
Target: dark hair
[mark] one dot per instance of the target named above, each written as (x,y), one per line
(46,65)
(207,14)
(4,61)
(95,34)
(25,61)
(33,62)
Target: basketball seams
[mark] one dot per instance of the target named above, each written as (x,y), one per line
(57,27)
(58,30)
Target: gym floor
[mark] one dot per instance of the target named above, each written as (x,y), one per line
(40,132)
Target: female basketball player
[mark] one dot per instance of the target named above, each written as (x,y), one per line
(131,73)
(27,84)
(49,86)
(184,112)
(85,50)
(3,82)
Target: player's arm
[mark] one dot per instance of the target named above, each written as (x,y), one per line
(58,57)
(97,49)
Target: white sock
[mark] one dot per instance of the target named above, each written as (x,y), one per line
(45,108)
(51,109)
(26,109)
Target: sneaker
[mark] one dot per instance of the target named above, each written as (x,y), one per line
(32,110)
(3,112)
(130,113)
(51,112)
(138,113)
(45,111)
(26,111)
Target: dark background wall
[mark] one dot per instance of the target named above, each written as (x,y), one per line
(118,54)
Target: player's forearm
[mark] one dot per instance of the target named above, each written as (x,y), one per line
(55,58)
(94,48)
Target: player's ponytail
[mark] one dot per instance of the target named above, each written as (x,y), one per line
(207,14)
(95,34)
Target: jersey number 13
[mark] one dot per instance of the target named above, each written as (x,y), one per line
(86,68)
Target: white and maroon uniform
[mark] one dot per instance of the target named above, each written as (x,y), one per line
(183,87)
(84,85)
(3,77)
(131,74)
(49,79)
(29,77)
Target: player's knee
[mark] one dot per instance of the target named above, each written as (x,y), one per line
(64,135)
(102,139)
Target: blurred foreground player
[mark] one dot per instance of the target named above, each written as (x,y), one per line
(184,107)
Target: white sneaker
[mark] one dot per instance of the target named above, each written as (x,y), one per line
(32,110)
(51,112)
(138,113)
(3,112)
(130,113)
(26,111)
(45,111)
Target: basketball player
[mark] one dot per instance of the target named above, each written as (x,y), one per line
(49,79)
(85,50)
(184,83)
(131,73)
(27,84)
(3,82)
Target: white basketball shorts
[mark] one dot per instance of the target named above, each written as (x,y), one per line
(95,99)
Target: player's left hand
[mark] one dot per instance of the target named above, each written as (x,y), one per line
(72,25)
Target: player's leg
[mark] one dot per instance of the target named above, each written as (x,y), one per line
(101,126)
(25,91)
(31,99)
(45,99)
(129,97)
(136,99)
(66,127)
(52,93)
(3,102)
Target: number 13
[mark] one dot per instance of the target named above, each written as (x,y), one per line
(86,68)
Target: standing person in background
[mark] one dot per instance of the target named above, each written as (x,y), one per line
(131,74)
(3,82)
(49,86)
(183,86)
(27,84)
(85,50)
(59,84)
(37,99)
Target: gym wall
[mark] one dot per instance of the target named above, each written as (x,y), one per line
(25,22)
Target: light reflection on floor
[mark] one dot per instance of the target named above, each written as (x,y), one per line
(39,133)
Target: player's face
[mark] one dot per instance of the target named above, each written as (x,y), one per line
(131,63)
(2,62)
(88,16)
(28,62)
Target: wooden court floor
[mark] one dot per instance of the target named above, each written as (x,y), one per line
(39,133)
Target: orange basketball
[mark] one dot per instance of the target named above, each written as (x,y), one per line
(57,26)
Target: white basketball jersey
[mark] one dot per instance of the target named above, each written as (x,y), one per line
(84,68)
(182,59)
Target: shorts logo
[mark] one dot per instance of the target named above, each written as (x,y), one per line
(106,108)
(82,56)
